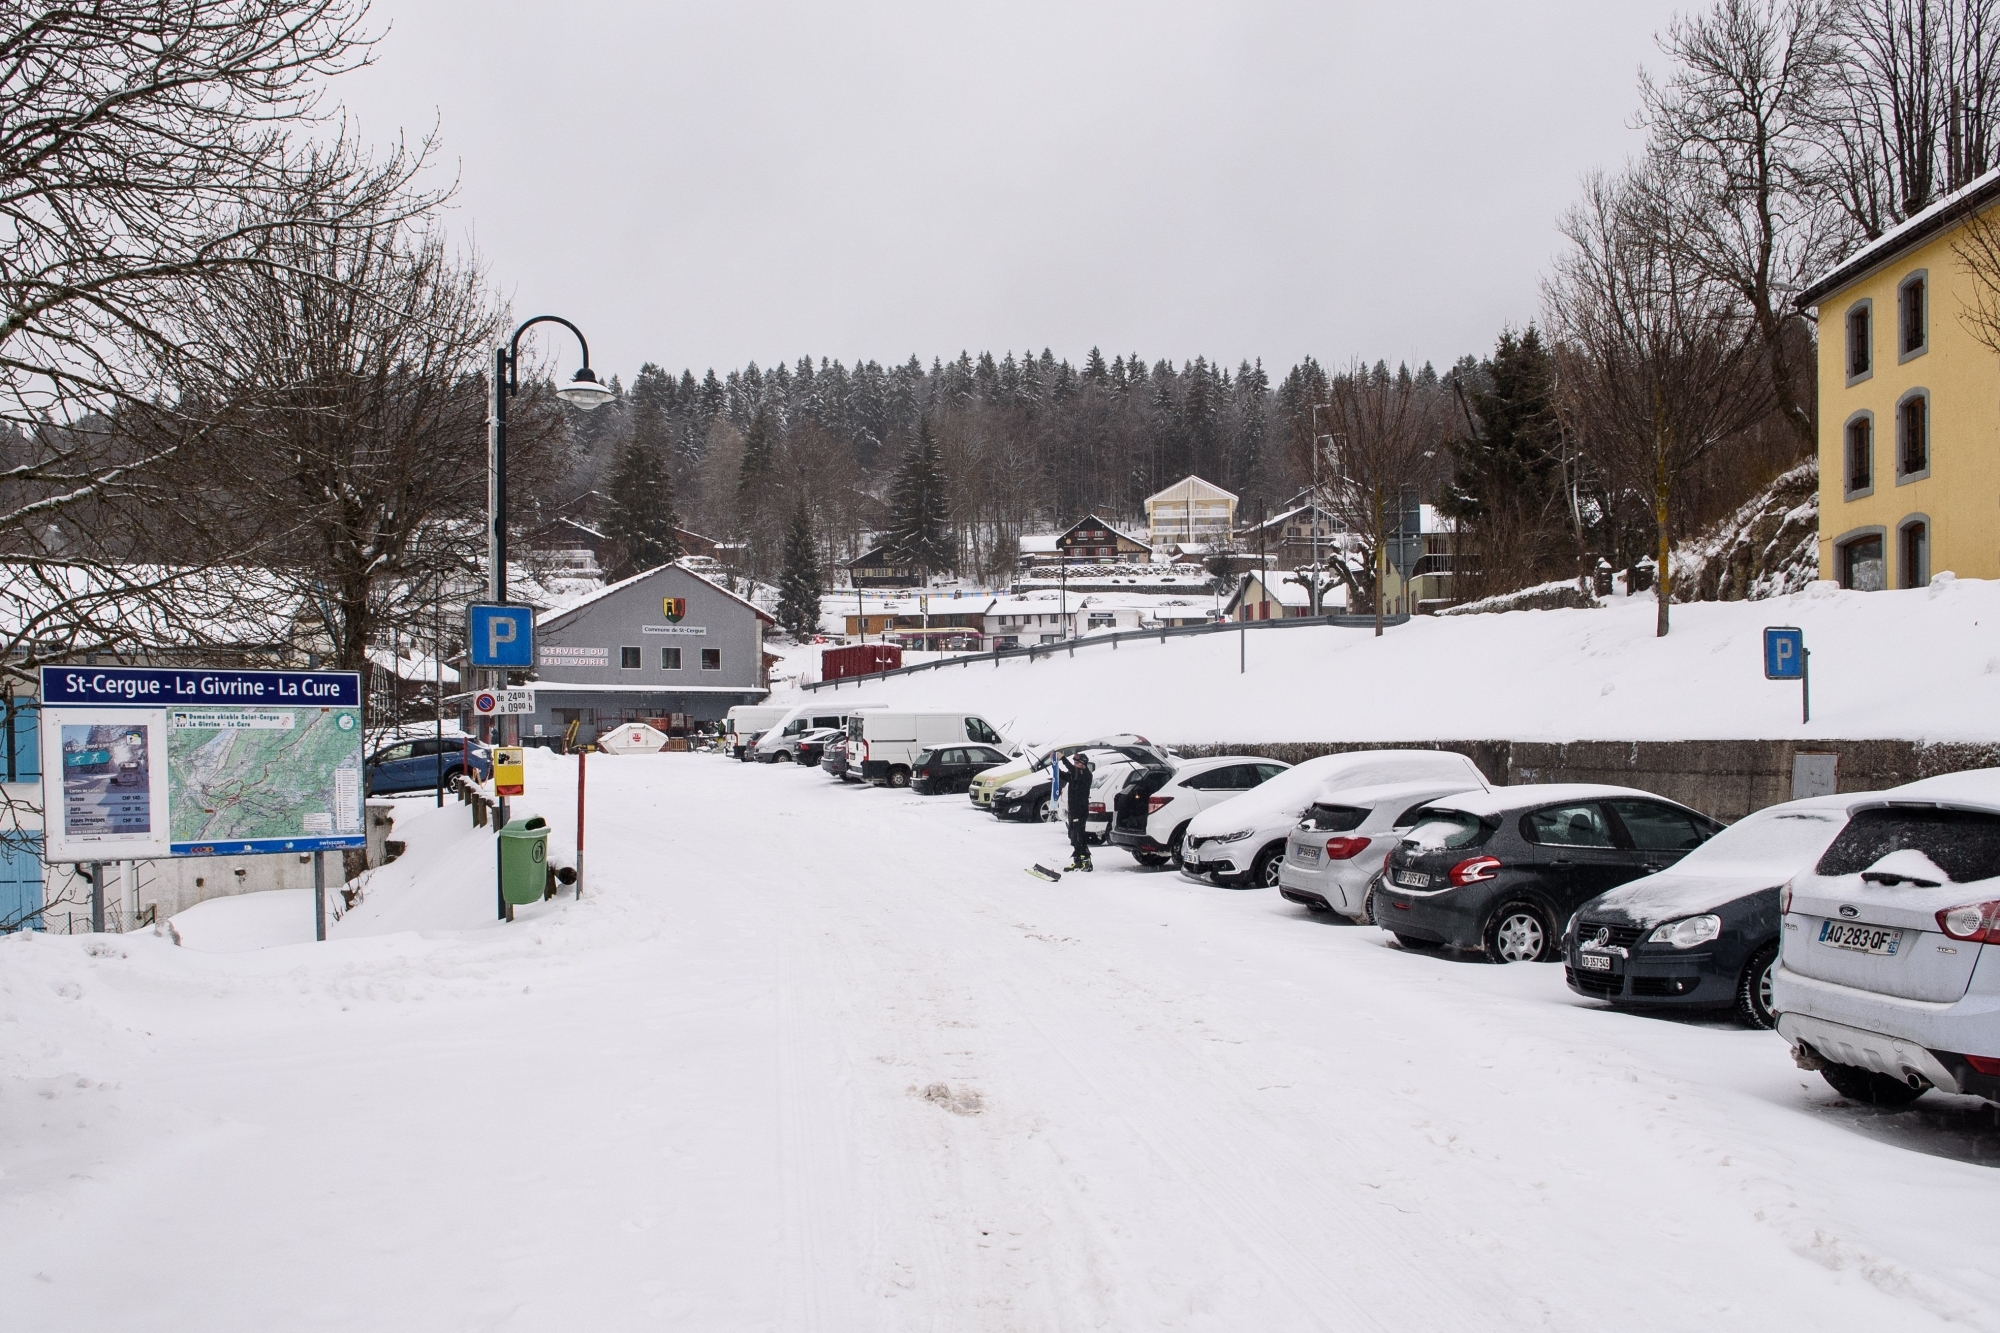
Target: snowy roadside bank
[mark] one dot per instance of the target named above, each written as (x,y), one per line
(1920,665)
(816,1056)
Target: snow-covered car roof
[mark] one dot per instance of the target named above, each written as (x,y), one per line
(1390,793)
(1280,800)
(1756,853)
(1190,767)
(1506,800)
(1977,789)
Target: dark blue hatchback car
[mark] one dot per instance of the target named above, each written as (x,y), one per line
(424,763)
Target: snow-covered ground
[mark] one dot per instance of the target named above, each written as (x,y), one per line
(815,1057)
(1916,665)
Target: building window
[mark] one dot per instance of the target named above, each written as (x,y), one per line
(670,659)
(1861,564)
(711,659)
(1860,454)
(1913,435)
(1915,539)
(628,658)
(1912,319)
(1860,359)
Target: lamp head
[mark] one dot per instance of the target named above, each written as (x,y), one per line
(584,392)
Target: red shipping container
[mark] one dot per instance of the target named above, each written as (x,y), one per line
(861,659)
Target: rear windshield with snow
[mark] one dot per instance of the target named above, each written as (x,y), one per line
(1965,844)
(1439,830)
(1333,818)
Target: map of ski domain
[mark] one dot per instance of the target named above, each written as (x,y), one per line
(240,775)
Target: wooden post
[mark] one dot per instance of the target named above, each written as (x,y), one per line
(580,757)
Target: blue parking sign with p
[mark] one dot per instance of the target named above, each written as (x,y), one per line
(500,635)
(1784,653)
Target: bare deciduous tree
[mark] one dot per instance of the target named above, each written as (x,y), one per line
(1386,433)
(1657,362)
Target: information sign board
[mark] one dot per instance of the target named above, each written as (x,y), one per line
(1784,653)
(500,635)
(197,762)
(494,703)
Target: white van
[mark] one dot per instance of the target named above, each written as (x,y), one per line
(772,745)
(746,722)
(884,745)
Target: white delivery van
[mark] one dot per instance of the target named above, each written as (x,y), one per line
(884,745)
(773,744)
(746,722)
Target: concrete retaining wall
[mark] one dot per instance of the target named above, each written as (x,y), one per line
(1727,779)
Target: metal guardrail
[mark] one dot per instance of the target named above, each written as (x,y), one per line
(1069,646)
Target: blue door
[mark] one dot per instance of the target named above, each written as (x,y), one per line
(21,882)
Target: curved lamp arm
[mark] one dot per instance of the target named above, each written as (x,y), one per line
(514,347)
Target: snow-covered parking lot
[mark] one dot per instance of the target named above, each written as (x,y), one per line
(814,1057)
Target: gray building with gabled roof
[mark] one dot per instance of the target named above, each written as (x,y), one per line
(664,642)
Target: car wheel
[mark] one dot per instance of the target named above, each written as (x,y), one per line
(1518,934)
(899,776)
(1367,917)
(1865,1085)
(1177,848)
(1753,988)
(1415,945)
(1264,870)
(1046,811)
(1151,858)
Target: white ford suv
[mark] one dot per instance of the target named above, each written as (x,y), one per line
(1884,983)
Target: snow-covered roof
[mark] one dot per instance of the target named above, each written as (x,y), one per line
(1941,216)
(549,618)
(1190,488)
(1111,528)
(1039,543)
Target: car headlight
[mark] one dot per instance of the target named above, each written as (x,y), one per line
(1688,931)
(1237,836)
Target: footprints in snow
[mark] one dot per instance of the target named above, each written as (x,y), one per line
(958,1101)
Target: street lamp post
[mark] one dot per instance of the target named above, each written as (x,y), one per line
(583,392)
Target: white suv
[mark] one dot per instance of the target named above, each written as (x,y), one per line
(1334,856)
(1883,982)
(1152,812)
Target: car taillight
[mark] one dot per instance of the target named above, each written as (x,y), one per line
(1343,849)
(1977,922)
(1474,869)
(864,752)
(1984,1064)
(1097,807)
(1784,897)
(1155,804)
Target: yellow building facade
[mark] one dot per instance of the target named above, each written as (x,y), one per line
(1909,409)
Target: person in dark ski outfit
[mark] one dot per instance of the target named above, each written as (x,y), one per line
(1076,774)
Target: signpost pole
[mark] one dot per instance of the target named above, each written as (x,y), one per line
(319,897)
(97,897)
(581,756)
(1805,684)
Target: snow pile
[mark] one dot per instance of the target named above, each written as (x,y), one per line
(1554,596)
(1920,665)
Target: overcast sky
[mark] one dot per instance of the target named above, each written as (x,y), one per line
(703,184)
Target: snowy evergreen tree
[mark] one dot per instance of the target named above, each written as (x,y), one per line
(642,519)
(799,586)
(920,532)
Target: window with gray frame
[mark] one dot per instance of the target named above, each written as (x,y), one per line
(628,658)
(1860,453)
(1915,538)
(1913,434)
(711,659)
(1911,316)
(670,659)
(1858,359)
(1861,564)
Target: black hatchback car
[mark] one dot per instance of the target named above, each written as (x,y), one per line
(1500,872)
(1704,934)
(951,768)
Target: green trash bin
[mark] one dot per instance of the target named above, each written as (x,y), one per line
(524,849)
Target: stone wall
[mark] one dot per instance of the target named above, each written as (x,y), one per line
(1727,779)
